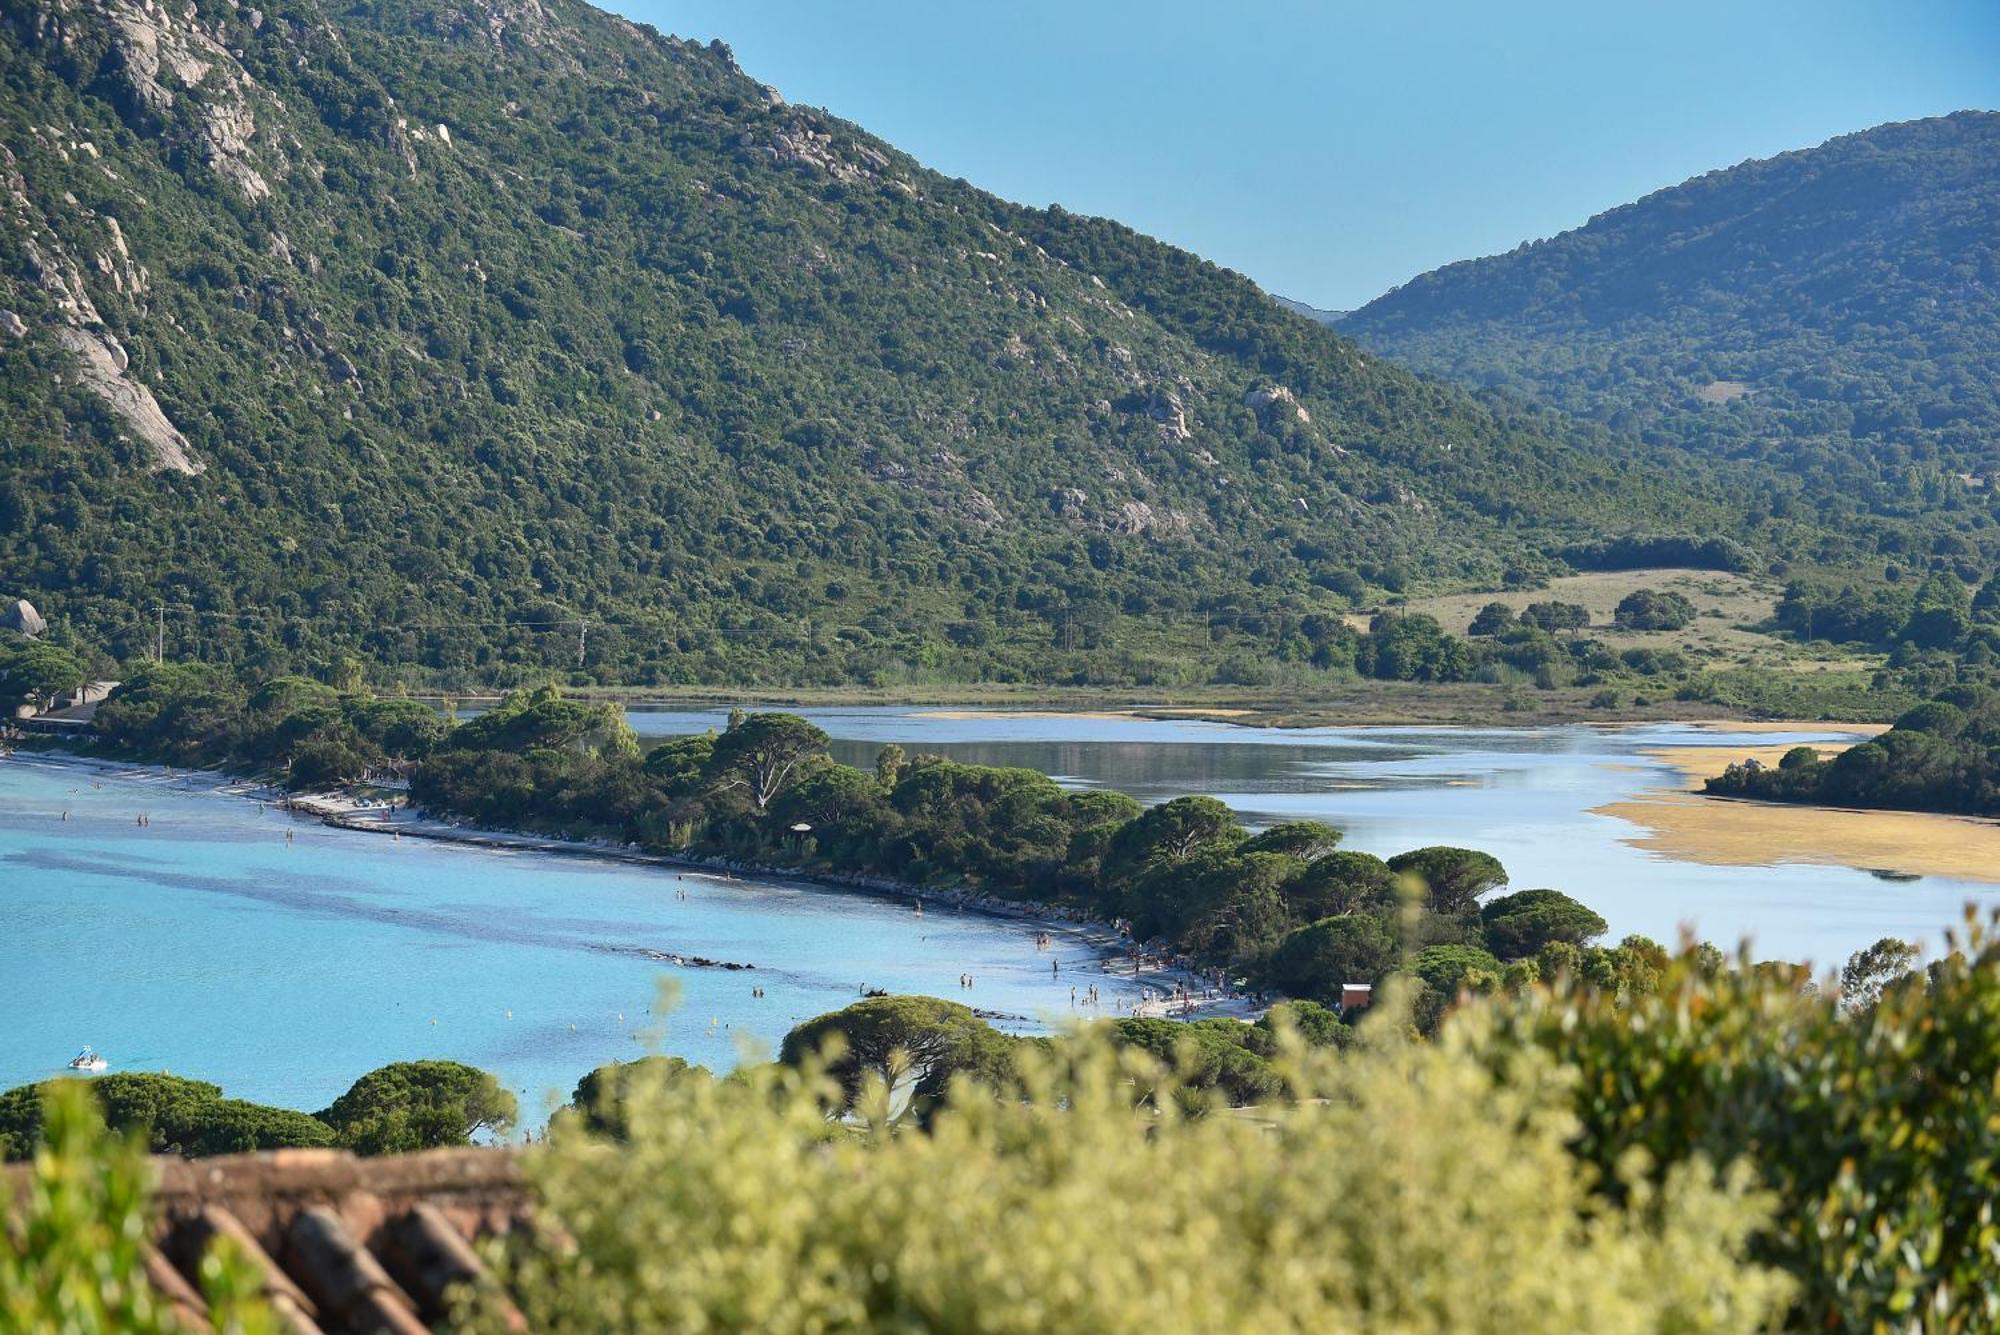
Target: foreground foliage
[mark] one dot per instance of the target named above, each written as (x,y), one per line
(1423,1194)
(1723,1148)
(1876,1124)
(1834,1153)
(71,1244)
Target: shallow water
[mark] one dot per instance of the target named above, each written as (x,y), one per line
(208,945)
(1526,795)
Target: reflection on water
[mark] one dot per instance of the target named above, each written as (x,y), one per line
(1527,795)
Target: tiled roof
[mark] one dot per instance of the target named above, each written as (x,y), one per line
(345,1244)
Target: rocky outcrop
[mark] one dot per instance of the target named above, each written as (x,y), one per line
(102,369)
(941,478)
(1275,401)
(102,365)
(158,56)
(802,140)
(1129,518)
(20,615)
(1136,517)
(1166,409)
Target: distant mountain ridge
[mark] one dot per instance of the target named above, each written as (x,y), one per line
(510,334)
(1311,312)
(1832,312)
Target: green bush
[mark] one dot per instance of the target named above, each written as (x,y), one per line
(1876,1129)
(1521,924)
(169,1114)
(1651,609)
(1415,1191)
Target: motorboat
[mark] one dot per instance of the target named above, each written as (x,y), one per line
(87,1060)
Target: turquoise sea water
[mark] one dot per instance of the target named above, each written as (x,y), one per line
(208,945)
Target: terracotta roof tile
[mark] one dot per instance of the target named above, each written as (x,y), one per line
(345,1244)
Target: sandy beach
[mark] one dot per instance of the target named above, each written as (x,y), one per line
(344,811)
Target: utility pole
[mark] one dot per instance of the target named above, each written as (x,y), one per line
(160,633)
(581,628)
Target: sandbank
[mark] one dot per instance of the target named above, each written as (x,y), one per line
(1726,832)
(1731,832)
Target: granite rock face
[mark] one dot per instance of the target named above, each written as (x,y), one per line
(21,615)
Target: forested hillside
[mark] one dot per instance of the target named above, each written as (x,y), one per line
(1829,318)
(498,337)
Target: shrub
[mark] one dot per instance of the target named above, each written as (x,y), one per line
(1445,968)
(1876,1130)
(917,1043)
(599,1098)
(1650,609)
(168,1113)
(1553,616)
(1493,619)
(1313,961)
(1422,1194)
(1520,925)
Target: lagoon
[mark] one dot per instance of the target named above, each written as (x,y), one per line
(207,944)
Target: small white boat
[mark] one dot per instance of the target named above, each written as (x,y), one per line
(87,1060)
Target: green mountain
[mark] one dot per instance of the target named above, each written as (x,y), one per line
(1830,318)
(478,339)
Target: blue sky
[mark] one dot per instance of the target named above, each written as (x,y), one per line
(1333,150)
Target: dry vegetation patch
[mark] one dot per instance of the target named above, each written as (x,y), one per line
(1727,606)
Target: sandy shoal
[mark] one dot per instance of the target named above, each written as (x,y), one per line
(1724,832)
(1697,763)
(1790,725)
(1730,832)
(959,715)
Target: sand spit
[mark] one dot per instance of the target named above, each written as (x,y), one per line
(1725,832)
(1117,715)
(1729,832)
